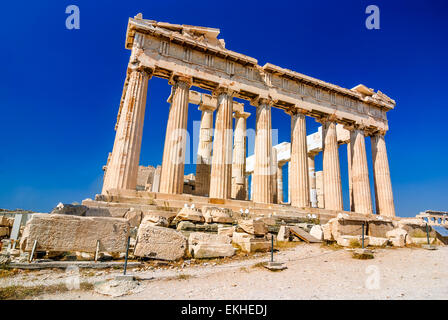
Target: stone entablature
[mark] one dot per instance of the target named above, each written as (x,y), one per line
(167,50)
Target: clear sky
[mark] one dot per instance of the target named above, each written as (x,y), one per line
(60,89)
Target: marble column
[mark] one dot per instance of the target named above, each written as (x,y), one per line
(350,185)
(280,182)
(221,173)
(172,174)
(252,187)
(122,168)
(239,157)
(362,199)
(331,168)
(274,168)
(263,149)
(312,177)
(204,157)
(247,187)
(300,191)
(383,187)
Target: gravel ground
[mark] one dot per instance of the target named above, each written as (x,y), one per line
(314,272)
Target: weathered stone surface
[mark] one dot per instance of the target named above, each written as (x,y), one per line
(134,217)
(227,231)
(55,232)
(156,220)
(70,209)
(4,231)
(379,228)
(252,226)
(378,241)
(98,211)
(326,228)
(249,243)
(217,215)
(283,233)
(190,226)
(189,214)
(160,243)
(317,232)
(349,241)
(6,221)
(397,237)
(206,245)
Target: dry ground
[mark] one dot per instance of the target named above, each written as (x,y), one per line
(314,272)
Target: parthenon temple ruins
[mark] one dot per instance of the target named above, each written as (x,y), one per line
(192,56)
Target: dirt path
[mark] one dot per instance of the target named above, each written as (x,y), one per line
(313,273)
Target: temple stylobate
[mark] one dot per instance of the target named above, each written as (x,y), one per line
(191,56)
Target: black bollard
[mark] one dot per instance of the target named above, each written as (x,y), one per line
(427,233)
(272,248)
(126,256)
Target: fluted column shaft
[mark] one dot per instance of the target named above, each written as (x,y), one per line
(362,199)
(383,186)
(274,168)
(122,168)
(172,174)
(221,173)
(239,157)
(263,149)
(331,167)
(312,177)
(350,184)
(300,191)
(204,157)
(280,182)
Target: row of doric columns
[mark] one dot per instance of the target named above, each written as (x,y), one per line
(221,163)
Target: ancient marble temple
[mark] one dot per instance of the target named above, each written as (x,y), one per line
(191,56)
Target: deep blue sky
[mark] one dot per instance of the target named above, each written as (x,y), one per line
(60,89)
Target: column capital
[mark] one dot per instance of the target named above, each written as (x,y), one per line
(137,67)
(238,114)
(258,101)
(356,126)
(378,132)
(176,79)
(220,90)
(296,110)
(206,107)
(326,118)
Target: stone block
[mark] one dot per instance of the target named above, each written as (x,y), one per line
(283,233)
(190,214)
(317,232)
(249,243)
(155,220)
(70,209)
(160,243)
(397,237)
(190,226)
(227,231)
(253,226)
(326,229)
(206,245)
(351,241)
(378,241)
(217,215)
(56,232)
(134,217)
(379,228)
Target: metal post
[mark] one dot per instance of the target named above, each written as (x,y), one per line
(272,247)
(126,257)
(97,251)
(363,235)
(32,250)
(427,233)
